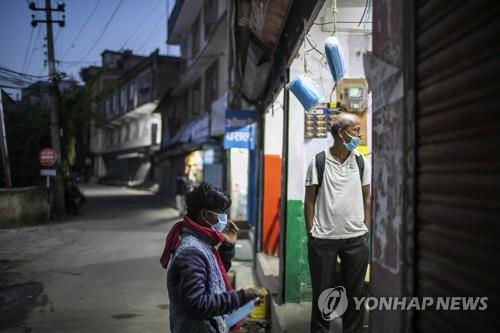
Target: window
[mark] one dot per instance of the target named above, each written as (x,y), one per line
(123,133)
(110,105)
(211,85)
(128,131)
(195,37)
(109,139)
(131,95)
(196,99)
(116,136)
(123,100)
(210,15)
(154,134)
(107,107)
(116,99)
(144,89)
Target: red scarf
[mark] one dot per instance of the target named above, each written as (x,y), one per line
(174,239)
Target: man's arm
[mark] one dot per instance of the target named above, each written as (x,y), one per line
(226,253)
(192,269)
(226,249)
(367,204)
(309,207)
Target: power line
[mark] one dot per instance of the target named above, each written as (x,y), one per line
(367,5)
(77,62)
(151,35)
(33,50)
(140,24)
(5,69)
(27,50)
(103,31)
(81,29)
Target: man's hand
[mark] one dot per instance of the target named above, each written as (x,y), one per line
(231,232)
(252,293)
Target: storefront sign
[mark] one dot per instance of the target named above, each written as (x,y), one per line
(240,129)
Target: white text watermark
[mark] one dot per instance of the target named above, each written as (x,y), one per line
(333,302)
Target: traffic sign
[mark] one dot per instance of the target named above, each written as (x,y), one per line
(47,157)
(48,172)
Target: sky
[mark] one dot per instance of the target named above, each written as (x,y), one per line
(139,25)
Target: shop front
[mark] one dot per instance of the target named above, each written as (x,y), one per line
(239,142)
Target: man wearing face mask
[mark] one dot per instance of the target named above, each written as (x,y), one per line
(200,249)
(337,212)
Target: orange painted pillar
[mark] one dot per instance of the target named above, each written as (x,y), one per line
(271,204)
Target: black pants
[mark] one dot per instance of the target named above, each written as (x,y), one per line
(323,254)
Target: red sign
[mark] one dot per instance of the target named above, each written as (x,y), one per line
(47,157)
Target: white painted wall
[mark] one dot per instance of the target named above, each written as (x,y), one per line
(355,41)
(273,128)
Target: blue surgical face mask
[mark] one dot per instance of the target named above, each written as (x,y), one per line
(221,221)
(221,224)
(353,144)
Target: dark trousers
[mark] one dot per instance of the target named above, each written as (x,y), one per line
(323,254)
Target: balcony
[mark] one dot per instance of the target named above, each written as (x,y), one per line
(181,18)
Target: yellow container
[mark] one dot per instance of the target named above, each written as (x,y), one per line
(260,311)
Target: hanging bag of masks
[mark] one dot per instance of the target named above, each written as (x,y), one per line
(306,91)
(335,58)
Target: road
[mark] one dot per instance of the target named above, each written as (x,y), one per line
(96,272)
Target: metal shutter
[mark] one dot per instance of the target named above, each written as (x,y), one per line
(458,160)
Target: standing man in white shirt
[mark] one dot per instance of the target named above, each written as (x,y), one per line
(337,213)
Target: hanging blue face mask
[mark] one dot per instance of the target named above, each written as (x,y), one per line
(353,144)
(221,222)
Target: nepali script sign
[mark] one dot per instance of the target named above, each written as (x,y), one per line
(239,129)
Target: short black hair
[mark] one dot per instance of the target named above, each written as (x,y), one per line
(338,123)
(206,196)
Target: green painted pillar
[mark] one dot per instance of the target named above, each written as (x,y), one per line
(297,279)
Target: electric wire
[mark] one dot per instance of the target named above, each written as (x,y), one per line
(103,31)
(6,69)
(33,51)
(72,44)
(364,12)
(137,28)
(153,31)
(27,49)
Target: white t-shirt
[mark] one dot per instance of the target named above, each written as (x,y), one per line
(339,209)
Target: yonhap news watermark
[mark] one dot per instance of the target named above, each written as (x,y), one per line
(333,302)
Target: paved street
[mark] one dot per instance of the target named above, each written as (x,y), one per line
(99,271)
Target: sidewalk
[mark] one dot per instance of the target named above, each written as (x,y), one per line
(288,317)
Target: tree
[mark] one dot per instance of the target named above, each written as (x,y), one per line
(27,128)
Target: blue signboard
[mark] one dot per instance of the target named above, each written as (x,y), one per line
(239,129)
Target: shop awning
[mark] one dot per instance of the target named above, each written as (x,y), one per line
(196,131)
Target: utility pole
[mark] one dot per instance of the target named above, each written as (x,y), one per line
(3,146)
(60,207)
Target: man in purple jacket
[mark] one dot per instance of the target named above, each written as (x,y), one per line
(200,250)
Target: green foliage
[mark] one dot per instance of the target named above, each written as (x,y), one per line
(28,130)
(76,114)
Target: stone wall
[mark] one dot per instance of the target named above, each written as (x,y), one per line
(23,206)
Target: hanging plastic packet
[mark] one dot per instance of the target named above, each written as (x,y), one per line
(306,91)
(335,58)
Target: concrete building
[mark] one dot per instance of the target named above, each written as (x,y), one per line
(193,119)
(127,90)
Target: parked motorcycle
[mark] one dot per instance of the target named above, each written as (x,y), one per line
(73,196)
